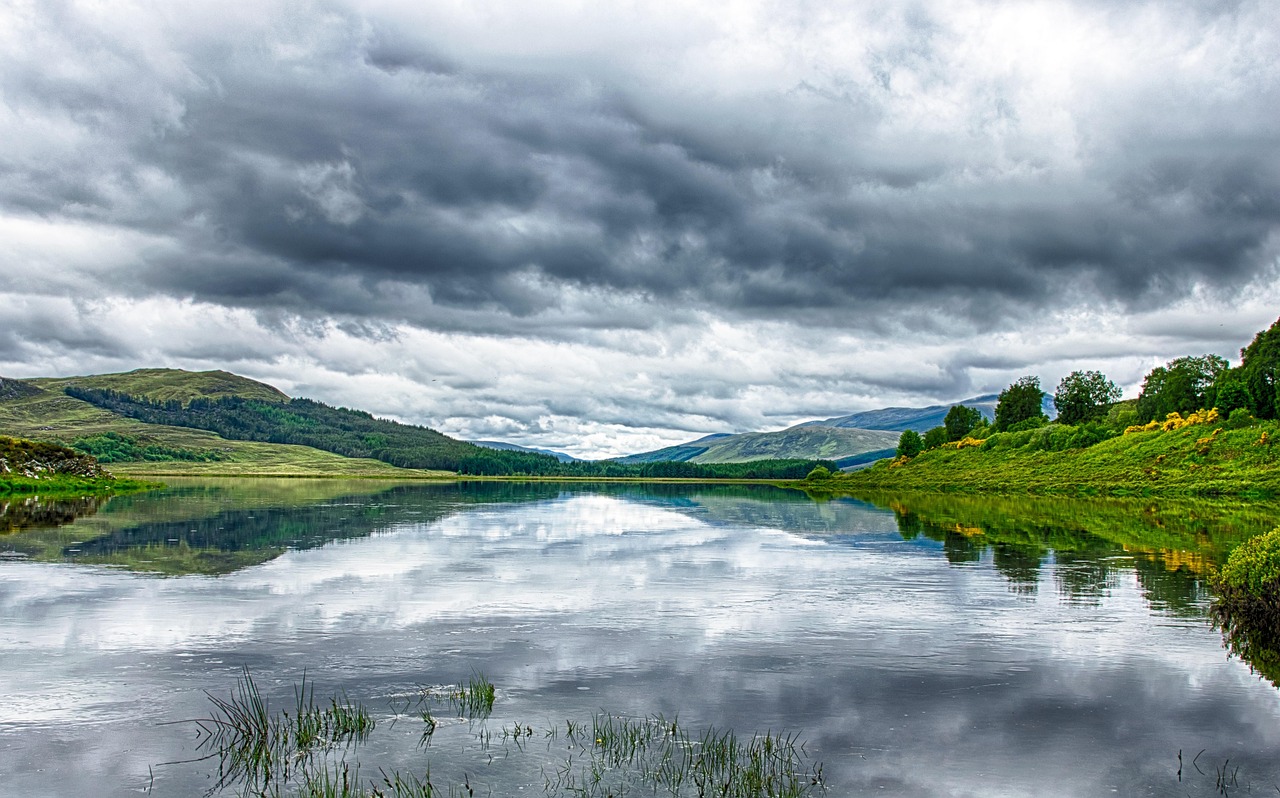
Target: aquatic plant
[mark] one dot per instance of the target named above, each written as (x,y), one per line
(258,748)
(306,752)
(660,755)
(473,699)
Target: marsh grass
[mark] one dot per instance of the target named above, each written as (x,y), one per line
(307,751)
(473,699)
(660,756)
(260,749)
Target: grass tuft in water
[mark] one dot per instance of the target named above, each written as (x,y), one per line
(307,752)
(473,699)
(659,755)
(260,749)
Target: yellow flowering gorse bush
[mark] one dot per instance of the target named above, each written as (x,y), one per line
(1175,421)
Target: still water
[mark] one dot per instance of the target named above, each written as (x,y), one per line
(916,646)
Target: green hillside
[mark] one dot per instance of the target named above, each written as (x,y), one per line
(1206,459)
(170,385)
(28,410)
(681,453)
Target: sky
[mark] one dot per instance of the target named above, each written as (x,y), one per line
(607,227)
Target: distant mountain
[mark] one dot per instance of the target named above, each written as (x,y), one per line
(511,447)
(681,453)
(823,443)
(899,419)
(851,441)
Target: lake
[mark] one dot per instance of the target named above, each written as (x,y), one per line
(909,646)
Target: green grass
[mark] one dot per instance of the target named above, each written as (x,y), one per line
(1200,460)
(256,747)
(662,757)
(51,416)
(163,385)
(66,486)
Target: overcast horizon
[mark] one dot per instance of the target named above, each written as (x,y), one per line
(606,228)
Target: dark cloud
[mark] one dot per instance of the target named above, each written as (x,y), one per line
(371,161)
(916,180)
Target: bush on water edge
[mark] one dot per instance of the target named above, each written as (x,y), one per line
(1247,607)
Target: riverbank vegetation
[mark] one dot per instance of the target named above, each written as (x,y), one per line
(1201,455)
(1198,428)
(1247,605)
(33,468)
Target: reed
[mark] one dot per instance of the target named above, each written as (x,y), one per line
(474,698)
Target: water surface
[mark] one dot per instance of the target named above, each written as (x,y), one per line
(920,646)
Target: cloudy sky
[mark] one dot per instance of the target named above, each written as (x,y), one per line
(606,227)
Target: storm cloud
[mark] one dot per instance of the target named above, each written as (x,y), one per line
(811,193)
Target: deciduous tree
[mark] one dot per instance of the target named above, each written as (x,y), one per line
(1261,371)
(1084,396)
(961,420)
(1019,402)
(1183,385)
(935,437)
(909,444)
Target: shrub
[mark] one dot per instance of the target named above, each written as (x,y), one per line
(1087,435)
(998,440)
(1254,566)
(1240,418)
(935,437)
(1035,422)
(820,472)
(1247,607)
(1175,421)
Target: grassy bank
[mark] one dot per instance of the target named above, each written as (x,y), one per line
(56,486)
(30,468)
(1195,460)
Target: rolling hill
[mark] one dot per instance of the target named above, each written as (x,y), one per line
(167,422)
(39,410)
(170,385)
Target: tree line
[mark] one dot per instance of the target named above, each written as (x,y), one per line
(1089,401)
